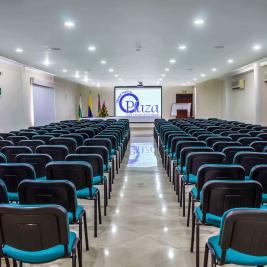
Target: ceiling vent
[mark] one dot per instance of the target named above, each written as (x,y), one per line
(238,85)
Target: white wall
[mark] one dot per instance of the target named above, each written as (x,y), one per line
(209,98)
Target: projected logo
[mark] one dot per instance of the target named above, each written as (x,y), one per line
(129,103)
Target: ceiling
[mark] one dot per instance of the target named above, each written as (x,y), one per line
(117,27)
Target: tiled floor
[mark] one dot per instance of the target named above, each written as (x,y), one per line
(144,226)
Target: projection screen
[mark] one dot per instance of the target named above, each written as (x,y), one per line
(138,104)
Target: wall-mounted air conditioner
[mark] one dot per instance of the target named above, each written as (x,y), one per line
(265,77)
(238,85)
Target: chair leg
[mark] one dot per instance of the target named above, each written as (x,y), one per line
(14,263)
(193,232)
(197,243)
(74,257)
(7,262)
(181,191)
(81,231)
(206,256)
(20,264)
(189,208)
(99,208)
(183,199)
(80,259)
(110,179)
(95,217)
(85,231)
(105,198)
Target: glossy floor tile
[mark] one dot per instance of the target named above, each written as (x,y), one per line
(144,226)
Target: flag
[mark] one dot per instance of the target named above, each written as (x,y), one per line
(80,111)
(99,105)
(90,106)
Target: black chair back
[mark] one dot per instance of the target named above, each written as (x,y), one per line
(32,144)
(70,143)
(231,151)
(57,152)
(219,146)
(12,151)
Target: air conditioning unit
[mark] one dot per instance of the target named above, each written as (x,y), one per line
(265,77)
(238,85)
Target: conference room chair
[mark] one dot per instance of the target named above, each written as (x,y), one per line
(12,174)
(78,138)
(80,173)
(12,151)
(204,137)
(60,132)
(219,146)
(227,133)
(200,132)
(246,141)
(211,172)
(244,131)
(217,198)
(21,225)
(193,162)
(259,174)
(89,132)
(4,143)
(212,140)
(236,136)
(32,144)
(28,134)
(15,139)
(231,151)
(6,135)
(255,133)
(70,143)
(41,132)
(263,136)
(62,193)
(38,161)
(3,158)
(241,240)
(259,145)
(45,138)
(57,152)
(250,159)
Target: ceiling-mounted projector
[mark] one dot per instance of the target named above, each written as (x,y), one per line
(140,84)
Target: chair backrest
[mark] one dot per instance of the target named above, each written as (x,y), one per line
(220,196)
(250,159)
(101,150)
(236,136)
(78,137)
(70,143)
(219,146)
(16,139)
(57,152)
(231,151)
(95,160)
(32,144)
(212,140)
(210,172)
(259,145)
(88,131)
(38,161)
(3,193)
(3,158)
(5,135)
(196,159)
(263,136)
(112,138)
(246,141)
(12,151)
(99,142)
(13,173)
(182,144)
(80,173)
(45,137)
(204,137)
(259,173)
(4,143)
(62,193)
(245,231)
(28,134)
(30,228)
(177,139)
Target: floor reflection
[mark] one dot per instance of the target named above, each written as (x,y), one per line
(142,155)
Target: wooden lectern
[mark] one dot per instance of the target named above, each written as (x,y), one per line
(181,114)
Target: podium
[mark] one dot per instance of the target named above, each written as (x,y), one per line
(182,114)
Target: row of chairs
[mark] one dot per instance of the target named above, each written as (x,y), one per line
(227,178)
(44,171)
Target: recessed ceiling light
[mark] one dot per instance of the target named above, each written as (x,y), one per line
(195,79)
(116,75)
(203,75)
(77,74)
(111,70)
(120,79)
(46,62)
(163,75)
(257,47)
(103,62)
(86,79)
(183,84)
(69,24)
(230,61)
(19,50)
(93,82)
(182,47)
(64,70)
(91,48)
(167,69)
(160,79)
(214,69)
(172,61)
(199,22)
(98,85)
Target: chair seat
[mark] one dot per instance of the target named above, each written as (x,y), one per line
(191,178)
(181,169)
(43,178)
(106,167)
(13,196)
(97,180)
(84,193)
(247,177)
(264,198)
(40,256)
(210,218)
(78,213)
(234,256)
